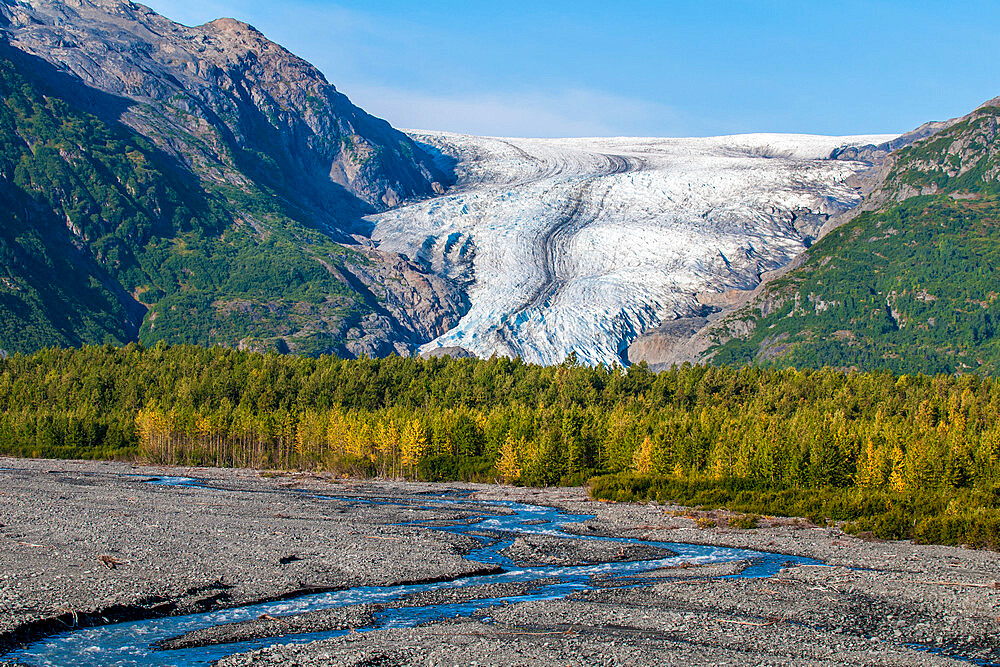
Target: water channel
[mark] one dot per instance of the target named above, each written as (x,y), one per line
(494,525)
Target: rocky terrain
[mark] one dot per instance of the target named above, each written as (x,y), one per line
(581,245)
(87,543)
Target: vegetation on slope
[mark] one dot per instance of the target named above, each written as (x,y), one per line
(902,456)
(99,228)
(909,287)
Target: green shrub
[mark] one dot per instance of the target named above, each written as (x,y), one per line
(744,521)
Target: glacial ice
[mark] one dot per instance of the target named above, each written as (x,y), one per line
(580,245)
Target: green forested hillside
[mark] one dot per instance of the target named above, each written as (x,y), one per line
(66,180)
(902,456)
(98,228)
(911,286)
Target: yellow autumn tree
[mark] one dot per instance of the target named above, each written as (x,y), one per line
(336,431)
(642,461)
(153,430)
(871,465)
(412,444)
(508,463)
(358,437)
(387,445)
(898,477)
(310,437)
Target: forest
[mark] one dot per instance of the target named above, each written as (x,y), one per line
(898,456)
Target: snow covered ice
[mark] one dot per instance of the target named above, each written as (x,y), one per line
(582,244)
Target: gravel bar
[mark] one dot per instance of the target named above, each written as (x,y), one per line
(87,543)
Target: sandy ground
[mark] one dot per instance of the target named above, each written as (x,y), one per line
(88,543)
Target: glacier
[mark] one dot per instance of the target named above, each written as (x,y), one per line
(579,245)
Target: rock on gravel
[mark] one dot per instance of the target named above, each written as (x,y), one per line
(324,620)
(533,550)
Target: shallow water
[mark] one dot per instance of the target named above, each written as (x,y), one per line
(171,480)
(131,643)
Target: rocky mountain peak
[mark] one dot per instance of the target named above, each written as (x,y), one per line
(995,102)
(231,25)
(226,102)
(226,221)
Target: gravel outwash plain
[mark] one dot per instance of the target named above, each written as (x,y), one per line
(85,543)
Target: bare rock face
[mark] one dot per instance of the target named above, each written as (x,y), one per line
(226,102)
(424,303)
(667,344)
(411,306)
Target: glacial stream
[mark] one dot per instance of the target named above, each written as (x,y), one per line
(131,643)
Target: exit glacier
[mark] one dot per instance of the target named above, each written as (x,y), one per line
(580,245)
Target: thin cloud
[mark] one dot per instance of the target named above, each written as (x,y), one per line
(567,113)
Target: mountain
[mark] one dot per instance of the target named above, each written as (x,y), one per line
(226,102)
(579,246)
(197,184)
(908,283)
(204,185)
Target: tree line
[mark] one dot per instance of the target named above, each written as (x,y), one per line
(677,434)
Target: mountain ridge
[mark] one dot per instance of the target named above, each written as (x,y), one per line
(205,185)
(919,253)
(253,94)
(287,163)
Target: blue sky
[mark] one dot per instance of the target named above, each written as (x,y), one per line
(555,68)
